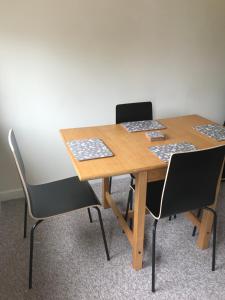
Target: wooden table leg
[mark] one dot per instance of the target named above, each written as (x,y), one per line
(205,230)
(139,219)
(207,222)
(105,189)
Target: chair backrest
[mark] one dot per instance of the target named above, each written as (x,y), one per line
(191,180)
(20,165)
(129,112)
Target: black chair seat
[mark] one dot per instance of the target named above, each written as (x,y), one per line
(61,196)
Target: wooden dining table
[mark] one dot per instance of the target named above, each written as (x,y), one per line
(132,156)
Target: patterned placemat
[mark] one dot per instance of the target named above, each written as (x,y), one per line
(165,151)
(142,125)
(214,131)
(86,149)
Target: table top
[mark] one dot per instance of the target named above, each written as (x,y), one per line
(131,154)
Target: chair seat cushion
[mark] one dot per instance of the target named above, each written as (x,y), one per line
(61,196)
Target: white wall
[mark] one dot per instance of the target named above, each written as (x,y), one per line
(68,63)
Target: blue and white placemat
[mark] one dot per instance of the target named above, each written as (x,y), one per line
(165,151)
(212,130)
(86,149)
(142,125)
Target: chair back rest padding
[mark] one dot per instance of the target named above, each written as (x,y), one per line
(191,180)
(20,166)
(130,112)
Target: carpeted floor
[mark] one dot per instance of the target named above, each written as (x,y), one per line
(70,262)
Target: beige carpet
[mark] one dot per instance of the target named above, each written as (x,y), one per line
(70,262)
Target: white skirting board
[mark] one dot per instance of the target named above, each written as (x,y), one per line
(11,194)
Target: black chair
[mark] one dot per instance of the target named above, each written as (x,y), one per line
(187,186)
(55,198)
(130,112)
(199,211)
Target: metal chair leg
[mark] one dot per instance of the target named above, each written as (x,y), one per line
(131,207)
(103,232)
(31,252)
(170,217)
(128,203)
(153,254)
(214,242)
(195,227)
(110,185)
(89,214)
(25,220)
(214,237)
(131,202)
(131,181)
